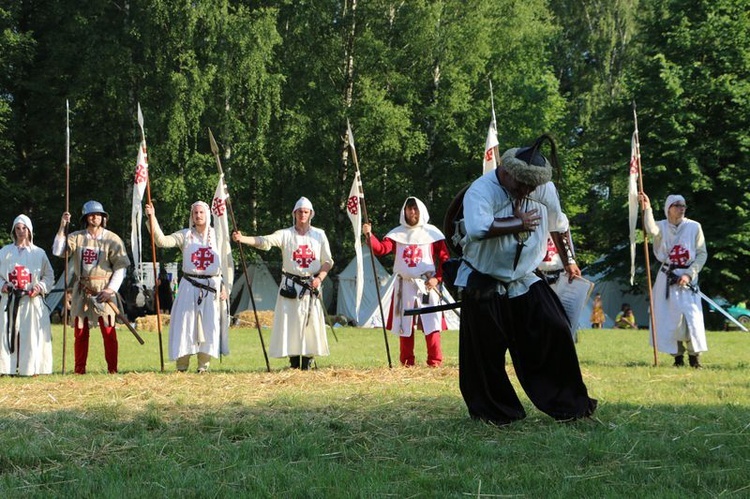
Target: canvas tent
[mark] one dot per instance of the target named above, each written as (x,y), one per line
(369,312)
(265,289)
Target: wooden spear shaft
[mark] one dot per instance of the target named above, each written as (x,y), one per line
(153,244)
(215,151)
(372,255)
(645,239)
(65,254)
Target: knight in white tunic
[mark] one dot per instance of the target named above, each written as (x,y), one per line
(679,245)
(420,251)
(26,276)
(196,316)
(299,327)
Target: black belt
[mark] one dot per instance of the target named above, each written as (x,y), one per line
(304,281)
(672,278)
(191,279)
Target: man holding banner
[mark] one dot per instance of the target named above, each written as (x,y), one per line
(195,327)
(420,251)
(681,248)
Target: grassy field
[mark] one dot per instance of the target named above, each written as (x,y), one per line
(355,428)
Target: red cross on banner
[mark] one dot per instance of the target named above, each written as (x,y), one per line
(303,256)
(141,173)
(218,207)
(679,255)
(352,205)
(20,277)
(89,256)
(202,258)
(412,255)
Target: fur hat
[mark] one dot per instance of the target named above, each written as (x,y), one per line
(528,165)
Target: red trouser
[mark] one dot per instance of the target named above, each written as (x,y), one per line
(81,345)
(434,352)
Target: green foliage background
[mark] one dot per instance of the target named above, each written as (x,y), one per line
(277,80)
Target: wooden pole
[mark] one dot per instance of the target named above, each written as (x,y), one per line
(645,239)
(65,254)
(215,151)
(366,220)
(153,244)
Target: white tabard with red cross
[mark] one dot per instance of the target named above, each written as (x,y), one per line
(23,269)
(413,260)
(299,323)
(678,313)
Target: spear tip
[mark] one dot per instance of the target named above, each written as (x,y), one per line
(214,147)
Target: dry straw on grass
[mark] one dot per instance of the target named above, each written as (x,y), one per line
(134,392)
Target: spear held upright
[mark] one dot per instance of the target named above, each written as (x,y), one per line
(636,153)
(350,139)
(153,244)
(215,151)
(67,210)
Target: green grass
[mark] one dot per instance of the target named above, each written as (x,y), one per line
(355,428)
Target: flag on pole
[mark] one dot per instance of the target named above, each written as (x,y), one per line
(353,206)
(223,238)
(140,180)
(490,158)
(635,161)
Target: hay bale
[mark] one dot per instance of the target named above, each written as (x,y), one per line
(246,318)
(148,322)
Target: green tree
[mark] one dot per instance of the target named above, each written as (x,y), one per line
(690,82)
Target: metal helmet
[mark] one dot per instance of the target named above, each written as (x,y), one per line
(90,207)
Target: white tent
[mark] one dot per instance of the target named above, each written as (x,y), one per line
(369,312)
(264,286)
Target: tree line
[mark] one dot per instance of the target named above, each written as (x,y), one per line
(277,80)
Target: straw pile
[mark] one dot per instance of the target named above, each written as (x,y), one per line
(148,322)
(246,318)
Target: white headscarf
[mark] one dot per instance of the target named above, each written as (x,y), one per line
(303,202)
(27,222)
(209,219)
(421,233)
(672,199)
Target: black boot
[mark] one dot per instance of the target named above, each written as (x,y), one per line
(679,361)
(694,363)
(306,362)
(294,362)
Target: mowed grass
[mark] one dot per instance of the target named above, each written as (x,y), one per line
(355,428)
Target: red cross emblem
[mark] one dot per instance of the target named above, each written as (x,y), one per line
(489,154)
(141,173)
(679,255)
(89,256)
(218,207)
(303,256)
(352,205)
(202,258)
(20,277)
(412,255)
